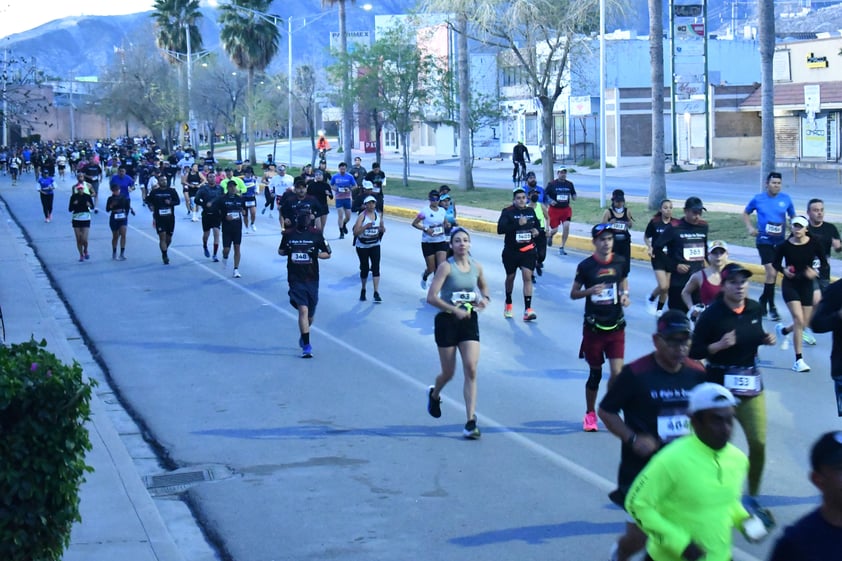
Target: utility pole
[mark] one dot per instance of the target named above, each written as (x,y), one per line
(5,99)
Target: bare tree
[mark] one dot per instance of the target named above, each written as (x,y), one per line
(220,95)
(21,94)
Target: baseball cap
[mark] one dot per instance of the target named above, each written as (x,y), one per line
(709,396)
(433,195)
(717,244)
(618,195)
(283,167)
(561,169)
(517,190)
(367,184)
(319,173)
(827,451)
(732,270)
(672,322)
(369,199)
(801,221)
(694,203)
(444,197)
(600,229)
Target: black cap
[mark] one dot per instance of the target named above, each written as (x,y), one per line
(827,451)
(672,322)
(433,195)
(732,270)
(600,229)
(618,195)
(694,203)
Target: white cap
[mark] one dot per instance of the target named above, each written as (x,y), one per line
(369,199)
(710,396)
(367,184)
(801,221)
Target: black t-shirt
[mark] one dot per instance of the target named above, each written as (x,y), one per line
(559,193)
(291,205)
(652,401)
(824,234)
(686,244)
(800,257)
(620,225)
(302,249)
(320,190)
(118,206)
(517,235)
(92,172)
(656,227)
(230,206)
(163,202)
(604,308)
(811,538)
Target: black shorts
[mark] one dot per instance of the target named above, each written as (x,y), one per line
(192,191)
(232,233)
(304,294)
(431,248)
(165,224)
(660,262)
(767,253)
(116,224)
(451,331)
(514,260)
(210,220)
(798,290)
(81,223)
(250,202)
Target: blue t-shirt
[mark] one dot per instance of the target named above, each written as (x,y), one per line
(251,186)
(810,539)
(342,181)
(124,183)
(771,216)
(46,185)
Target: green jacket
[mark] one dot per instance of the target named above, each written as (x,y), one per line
(690,492)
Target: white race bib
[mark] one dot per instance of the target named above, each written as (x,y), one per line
(371,232)
(744,382)
(234,215)
(562,198)
(672,426)
(607,295)
(523,236)
(119,215)
(300,257)
(694,251)
(249,203)
(437,230)
(164,211)
(463,296)
(619,226)
(774,229)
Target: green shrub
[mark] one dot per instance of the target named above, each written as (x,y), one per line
(44,405)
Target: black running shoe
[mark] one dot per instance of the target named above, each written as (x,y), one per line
(433,405)
(471,430)
(773,314)
(377,298)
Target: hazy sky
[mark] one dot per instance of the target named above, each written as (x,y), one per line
(19,15)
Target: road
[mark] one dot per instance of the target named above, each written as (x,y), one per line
(336,457)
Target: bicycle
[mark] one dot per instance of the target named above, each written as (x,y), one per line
(519,174)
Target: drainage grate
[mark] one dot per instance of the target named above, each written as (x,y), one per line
(176,479)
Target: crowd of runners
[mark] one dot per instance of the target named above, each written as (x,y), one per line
(701,376)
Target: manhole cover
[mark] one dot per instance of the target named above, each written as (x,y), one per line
(173,479)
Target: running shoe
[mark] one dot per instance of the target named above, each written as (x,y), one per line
(165,259)
(341,234)
(652,306)
(539,269)
(264,210)
(773,314)
(121,258)
(215,259)
(590,423)
(307,351)
(377,299)
(549,241)
(507,311)
(87,256)
(807,336)
(801,366)
(782,339)
(529,314)
(424,277)
(237,273)
(362,295)
(253,228)
(561,251)
(81,258)
(433,405)
(207,252)
(113,256)
(471,430)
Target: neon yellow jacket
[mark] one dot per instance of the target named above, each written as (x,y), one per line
(689,492)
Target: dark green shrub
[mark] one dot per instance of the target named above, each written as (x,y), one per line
(44,405)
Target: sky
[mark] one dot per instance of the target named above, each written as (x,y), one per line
(17,16)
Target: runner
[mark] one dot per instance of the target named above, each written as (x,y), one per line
(804,258)
(651,393)
(163,200)
(93,175)
(520,226)
(280,184)
(46,190)
(14,168)
(654,229)
(685,244)
(303,246)
(707,282)
(459,290)
(119,207)
(269,172)
(727,335)
(618,215)
(320,190)
(211,218)
(80,205)
(190,183)
(541,239)
(432,221)
(378,181)
(299,199)
(687,498)
(772,208)
(61,163)
(828,318)
(249,200)
(368,231)
(358,171)
(826,234)
(600,279)
(230,208)
(559,193)
(342,184)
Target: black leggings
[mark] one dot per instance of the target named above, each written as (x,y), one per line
(369,260)
(270,198)
(47,204)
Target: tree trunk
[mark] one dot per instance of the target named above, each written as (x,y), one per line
(249,124)
(378,130)
(347,105)
(766,31)
(657,177)
(466,176)
(405,152)
(547,137)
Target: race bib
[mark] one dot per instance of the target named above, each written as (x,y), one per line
(774,229)
(234,215)
(371,232)
(607,295)
(119,215)
(437,230)
(619,226)
(463,297)
(817,264)
(164,211)
(672,425)
(744,382)
(523,236)
(300,257)
(249,203)
(562,198)
(694,251)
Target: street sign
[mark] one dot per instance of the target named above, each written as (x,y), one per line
(580,105)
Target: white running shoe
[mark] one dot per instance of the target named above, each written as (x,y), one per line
(253,228)
(652,306)
(784,340)
(801,366)
(808,337)
(236,273)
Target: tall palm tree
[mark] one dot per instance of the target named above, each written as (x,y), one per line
(250,37)
(658,180)
(347,116)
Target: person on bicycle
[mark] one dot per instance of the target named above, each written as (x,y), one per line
(322,145)
(520,155)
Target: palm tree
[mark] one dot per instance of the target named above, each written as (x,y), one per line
(658,180)
(250,37)
(347,117)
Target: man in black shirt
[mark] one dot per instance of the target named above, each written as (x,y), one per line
(686,244)
(521,228)
(558,194)
(520,155)
(378,183)
(163,200)
(652,394)
(601,280)
(303,246)
(300,200)
(827,316)
(230,210)
(826,234)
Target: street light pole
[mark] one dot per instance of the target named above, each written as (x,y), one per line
(190,116)
(289,89)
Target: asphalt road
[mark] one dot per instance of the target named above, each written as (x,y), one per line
(336,457)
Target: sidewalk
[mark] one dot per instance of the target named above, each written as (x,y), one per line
(119,520)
